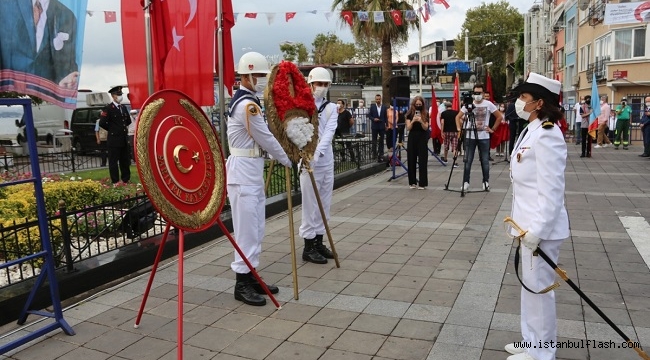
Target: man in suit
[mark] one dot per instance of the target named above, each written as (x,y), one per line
(379,119)
(115,119)
(39,39)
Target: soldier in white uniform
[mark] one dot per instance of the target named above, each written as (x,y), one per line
(247,135)
(312,227)
(537,173)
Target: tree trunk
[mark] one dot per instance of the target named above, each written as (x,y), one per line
(386,69)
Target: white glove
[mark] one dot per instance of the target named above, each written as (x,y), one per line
(300,131)
(530,241)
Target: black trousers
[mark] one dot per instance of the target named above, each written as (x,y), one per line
(417,152)
(586,142)
(378,147)
(120,155)
(399,136)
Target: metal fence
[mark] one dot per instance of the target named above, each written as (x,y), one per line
(83,234)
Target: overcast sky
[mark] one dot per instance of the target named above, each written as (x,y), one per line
(103,64)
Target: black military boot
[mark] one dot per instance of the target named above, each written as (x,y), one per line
(322,249)
(244,291)
(311,254)
(258,288)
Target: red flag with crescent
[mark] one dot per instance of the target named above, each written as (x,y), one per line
(228,21)
(347,16)
(185,68)
(288,16)
(397,17)
(436,131)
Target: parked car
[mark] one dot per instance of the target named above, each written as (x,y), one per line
(83,122)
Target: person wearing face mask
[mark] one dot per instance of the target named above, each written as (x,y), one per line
(115,119)
(477,134)
(248,134)
(312,227)
(499,139)
(378,115)
(344,124)
(585,111)
(603,120)
(417,152)
(623,113)
(645,127)
(538,185)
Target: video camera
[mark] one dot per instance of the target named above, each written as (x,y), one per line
(468,100)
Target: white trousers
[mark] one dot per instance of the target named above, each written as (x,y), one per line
(538,314)
(247,203)
(312,221)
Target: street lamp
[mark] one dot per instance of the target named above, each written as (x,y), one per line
(466,45)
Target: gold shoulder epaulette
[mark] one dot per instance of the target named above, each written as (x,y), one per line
(253,109)
(548,124)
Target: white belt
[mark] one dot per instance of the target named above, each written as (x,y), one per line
(253,153)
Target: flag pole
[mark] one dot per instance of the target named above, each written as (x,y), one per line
(420,49)
(220,61)
(148,47)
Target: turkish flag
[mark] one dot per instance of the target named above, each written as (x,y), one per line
(185,67)
(228,21)
(110,16)
(288,16)
(436,132)
(347,16)
(162,40)
(397,17)
(250,15)
(488,86)
(456,101)
(442,2)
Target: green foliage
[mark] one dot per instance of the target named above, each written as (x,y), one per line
(15,95)
(367,50)
(495,24)
(294,52)
(329,49)
(519,63)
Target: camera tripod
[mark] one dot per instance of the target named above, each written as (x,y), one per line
(468,124)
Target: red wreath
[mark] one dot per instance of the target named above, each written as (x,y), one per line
(284,100)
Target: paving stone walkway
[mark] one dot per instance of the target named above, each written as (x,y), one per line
(424,275)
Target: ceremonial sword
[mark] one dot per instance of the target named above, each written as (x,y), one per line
(584,297)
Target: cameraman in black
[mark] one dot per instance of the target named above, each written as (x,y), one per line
(477,133)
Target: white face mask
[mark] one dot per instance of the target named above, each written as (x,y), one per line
(261,84)
(119,99)
(519,108)
(601,102)
(339,106)
(501,108)
(478,98)
(647,104)
(320,92)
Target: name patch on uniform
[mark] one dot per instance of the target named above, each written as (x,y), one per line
(253,109)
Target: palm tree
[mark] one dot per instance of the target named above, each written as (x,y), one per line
(386,33)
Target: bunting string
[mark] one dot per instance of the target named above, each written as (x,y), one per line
(399,17)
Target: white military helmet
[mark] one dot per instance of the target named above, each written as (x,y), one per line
(319,74)
(253,63)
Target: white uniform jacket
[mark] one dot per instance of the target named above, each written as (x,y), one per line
(243,134)
(537,165)
(327,122)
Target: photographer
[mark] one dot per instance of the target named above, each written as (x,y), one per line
(477,132)
(645,127)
